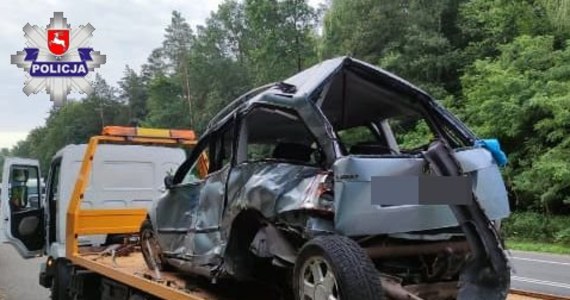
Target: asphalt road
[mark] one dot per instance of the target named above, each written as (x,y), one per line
(540,272)
(19,277)
(547,273)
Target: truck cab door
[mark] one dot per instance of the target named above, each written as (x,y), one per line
(22,208)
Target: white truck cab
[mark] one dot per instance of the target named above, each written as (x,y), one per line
(122,176)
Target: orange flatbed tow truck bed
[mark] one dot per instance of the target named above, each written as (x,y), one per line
(129,273)
(132,269)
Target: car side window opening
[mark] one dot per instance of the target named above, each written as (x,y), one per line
(215,154)
(398,134)
(363,139)
(221,146)
(24,189)
(193,173)
(412,132)
(269,134)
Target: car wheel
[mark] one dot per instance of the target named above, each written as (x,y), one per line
(335,267)
(61,280)
(151,248)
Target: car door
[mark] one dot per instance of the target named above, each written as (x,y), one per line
(174,211)
(189,216)
(22,207)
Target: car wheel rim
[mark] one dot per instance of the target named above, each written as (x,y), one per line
(317,281)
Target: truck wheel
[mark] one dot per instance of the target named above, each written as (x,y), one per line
(61,280)
(335,267)
(150,248)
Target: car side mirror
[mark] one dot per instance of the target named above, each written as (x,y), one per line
(168,181)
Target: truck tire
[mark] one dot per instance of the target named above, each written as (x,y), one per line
(61,280)
(335,267)
(151,248)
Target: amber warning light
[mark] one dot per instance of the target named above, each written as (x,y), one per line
(149,132)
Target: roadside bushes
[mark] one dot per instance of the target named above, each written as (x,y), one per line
(537,227)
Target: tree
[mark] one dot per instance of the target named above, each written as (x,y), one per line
(166,104)
(523,98)
(415,39)
(280,37)
(175,47)
(135,93)
(558,12)
(155,66)
(487,24)
(373,24)
(220,69)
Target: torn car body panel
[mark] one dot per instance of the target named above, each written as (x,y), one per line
(356,215)
(272,188)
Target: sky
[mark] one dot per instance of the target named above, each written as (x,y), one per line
(126,31)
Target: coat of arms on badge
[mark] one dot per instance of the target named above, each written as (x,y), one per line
(58,41)
(57,59)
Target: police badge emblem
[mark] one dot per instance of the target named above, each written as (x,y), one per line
(58,41)
(57,59)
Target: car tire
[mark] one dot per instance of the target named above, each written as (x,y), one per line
(344,269)
(61,280)
(150,247)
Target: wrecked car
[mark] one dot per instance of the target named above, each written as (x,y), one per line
(289,187)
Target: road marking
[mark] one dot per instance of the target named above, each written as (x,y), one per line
(541,282)
(541,261)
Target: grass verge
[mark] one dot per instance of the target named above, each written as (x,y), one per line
(525,245)
(532,231)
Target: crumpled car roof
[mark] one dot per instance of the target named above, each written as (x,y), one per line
(311,80)
(308,84)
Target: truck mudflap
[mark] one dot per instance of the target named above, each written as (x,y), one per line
(46,276)
(487,274)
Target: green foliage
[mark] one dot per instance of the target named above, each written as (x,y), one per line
(487,24)
(134,92)
(412,134)
(537,227)
(361,28)
(530,83)
(558,12)
(355,135)
(529,245)
(166,107)
(279,34)
(414,39)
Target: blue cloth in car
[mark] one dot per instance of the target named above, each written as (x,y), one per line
(494,147)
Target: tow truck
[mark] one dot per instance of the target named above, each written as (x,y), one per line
(97,196)
(97,255)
